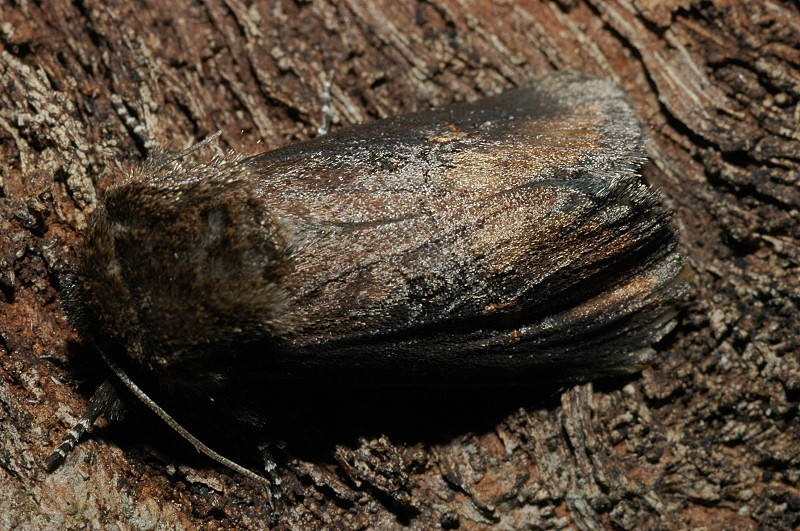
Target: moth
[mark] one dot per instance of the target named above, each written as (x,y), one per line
(501,242)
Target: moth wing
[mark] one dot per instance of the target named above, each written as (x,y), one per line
(506,215)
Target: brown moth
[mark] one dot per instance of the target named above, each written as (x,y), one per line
(505,241)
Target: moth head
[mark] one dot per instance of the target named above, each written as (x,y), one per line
(180,264)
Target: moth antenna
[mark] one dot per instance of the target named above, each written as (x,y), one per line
(104,402)
(200,145)
(158,159)
(183,432)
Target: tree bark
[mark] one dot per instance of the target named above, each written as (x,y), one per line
(707,436)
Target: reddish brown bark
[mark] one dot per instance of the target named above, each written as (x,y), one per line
(709,436)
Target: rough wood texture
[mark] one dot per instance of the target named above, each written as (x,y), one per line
(709,436)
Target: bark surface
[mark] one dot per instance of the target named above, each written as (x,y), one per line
(708,436)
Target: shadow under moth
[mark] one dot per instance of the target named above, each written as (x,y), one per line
(505,241)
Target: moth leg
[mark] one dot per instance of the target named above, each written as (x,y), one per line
(327,106)
(104,402)
(271,469)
